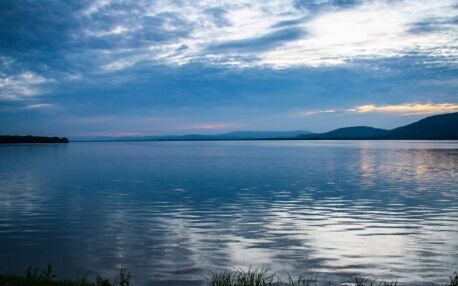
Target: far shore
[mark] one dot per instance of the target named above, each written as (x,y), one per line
(14,139)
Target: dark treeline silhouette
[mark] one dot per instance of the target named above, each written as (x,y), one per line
(7,139)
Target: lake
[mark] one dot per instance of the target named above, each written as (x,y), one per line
(172,212)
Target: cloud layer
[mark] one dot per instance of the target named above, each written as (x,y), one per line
(280,33)
(187,63)
(117,34)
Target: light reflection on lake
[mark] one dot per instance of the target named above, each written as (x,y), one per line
(173,211)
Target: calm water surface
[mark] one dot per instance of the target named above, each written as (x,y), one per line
(173,211)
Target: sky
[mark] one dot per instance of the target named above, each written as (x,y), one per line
(132,68)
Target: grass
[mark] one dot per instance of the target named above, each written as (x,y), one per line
(47,278)
(453,279)
(256,277)
(262,277)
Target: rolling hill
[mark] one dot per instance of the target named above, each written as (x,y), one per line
(236,135)
(444,126)
(356,132)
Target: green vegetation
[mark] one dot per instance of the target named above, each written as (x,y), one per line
(257,277)
(265,278)
(7,139)
(47,278)
(453,279)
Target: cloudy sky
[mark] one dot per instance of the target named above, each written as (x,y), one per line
(118,67)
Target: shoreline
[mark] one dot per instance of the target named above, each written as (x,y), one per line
(256,277)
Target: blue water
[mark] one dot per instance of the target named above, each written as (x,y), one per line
(174,211)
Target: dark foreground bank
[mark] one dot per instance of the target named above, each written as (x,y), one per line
(7,139)
(225,278)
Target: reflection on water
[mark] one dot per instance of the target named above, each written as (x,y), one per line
(173,211)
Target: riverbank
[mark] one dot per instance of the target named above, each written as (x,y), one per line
(225,278)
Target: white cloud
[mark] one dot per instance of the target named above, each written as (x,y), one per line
(96,6)
(399,109)
(332,35)
(375,29)
(210,126)
(21,86)
(39,106)
(313,112)
(116,30)
(6,62)
(407,109)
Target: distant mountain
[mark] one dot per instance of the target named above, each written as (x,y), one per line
(443,126)
(236,135)
(357,132)
(7,139)
(263,134)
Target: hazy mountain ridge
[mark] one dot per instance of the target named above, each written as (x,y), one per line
(235,135)
(444,126)
(347,133)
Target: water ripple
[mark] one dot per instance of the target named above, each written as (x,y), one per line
(173,211)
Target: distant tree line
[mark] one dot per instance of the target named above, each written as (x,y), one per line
(8,139)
